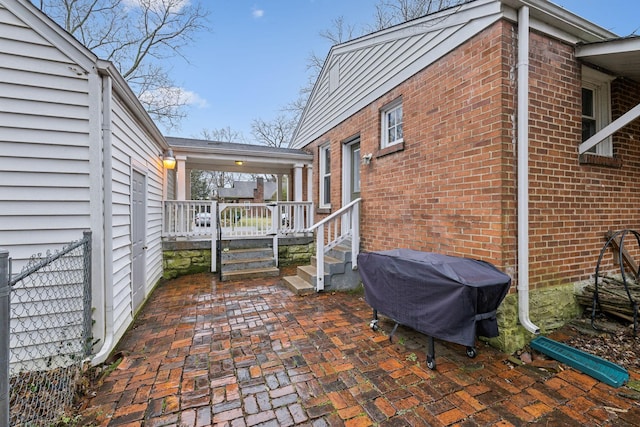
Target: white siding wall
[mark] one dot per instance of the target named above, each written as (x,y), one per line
(44,144)
(133,147)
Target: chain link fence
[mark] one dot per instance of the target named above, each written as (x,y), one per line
(49,334)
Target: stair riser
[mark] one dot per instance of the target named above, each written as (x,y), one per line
(246,243)
(330,267)
(250,265)
(246,254)
(252,275)
(343,254)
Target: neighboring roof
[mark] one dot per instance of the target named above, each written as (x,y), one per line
(245,189)
(358,72)
(216,155)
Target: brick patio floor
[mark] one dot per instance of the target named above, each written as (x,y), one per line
(250,353)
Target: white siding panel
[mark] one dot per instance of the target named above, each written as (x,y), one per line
(31,109)
(44,151)
(38,207)
(38,47)
(43,136)
(60,124)
(32,79)
(7,17)
(43,179)
(10,162)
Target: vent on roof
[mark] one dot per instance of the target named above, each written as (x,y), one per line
(334,76)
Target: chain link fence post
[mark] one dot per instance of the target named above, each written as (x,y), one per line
(5,290)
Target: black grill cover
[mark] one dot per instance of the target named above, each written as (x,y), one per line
(449,298)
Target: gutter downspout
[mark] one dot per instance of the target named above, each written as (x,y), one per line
(523,171)
(107,288)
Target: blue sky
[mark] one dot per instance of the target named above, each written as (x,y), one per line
(255,59)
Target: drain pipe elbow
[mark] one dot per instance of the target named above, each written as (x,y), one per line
(523,171)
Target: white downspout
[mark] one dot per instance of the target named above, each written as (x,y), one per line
(523,171)
(107,288)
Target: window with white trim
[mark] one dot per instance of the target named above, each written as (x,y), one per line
(391,128)
(325,176)
(596,108)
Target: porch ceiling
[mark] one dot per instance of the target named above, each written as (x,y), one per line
(222,156)
(619,56)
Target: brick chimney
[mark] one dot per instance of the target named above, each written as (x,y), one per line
(258,192)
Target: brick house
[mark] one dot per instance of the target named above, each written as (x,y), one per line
(430,121)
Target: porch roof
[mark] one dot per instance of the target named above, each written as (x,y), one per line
(217,155)
(620,56)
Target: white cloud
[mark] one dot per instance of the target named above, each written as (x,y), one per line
(257,13)
(173,96)
(192,98)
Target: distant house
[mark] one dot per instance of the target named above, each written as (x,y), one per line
(503,130)
(256,191)
(78,152)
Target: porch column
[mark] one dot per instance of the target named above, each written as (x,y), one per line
(297,182)
(309,183)
(181,178)
(279,187)
(188,184)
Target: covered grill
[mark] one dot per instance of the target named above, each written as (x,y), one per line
(450,298)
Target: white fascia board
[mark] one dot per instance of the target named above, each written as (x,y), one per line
(562,19)
(623,45)
(232,154)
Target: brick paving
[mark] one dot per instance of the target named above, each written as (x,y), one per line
(250,353)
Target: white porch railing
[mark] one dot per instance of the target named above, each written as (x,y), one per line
(334,229)
(196,218)
(189,218)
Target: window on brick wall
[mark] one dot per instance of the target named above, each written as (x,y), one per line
(391,129)
(325,177)
(596,108)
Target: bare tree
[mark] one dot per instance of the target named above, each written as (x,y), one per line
(137,36)
(275,133)
(392,12)
(225,134)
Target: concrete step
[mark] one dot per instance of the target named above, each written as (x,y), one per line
(298,285)
(248,253)
(247,264)
(331,265)
(250,273)
(341,252)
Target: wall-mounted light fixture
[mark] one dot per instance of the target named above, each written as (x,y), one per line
(168,160)
(239,162)
(366,159)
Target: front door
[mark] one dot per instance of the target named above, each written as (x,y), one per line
(355,171)
(138,231)
(351,169)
